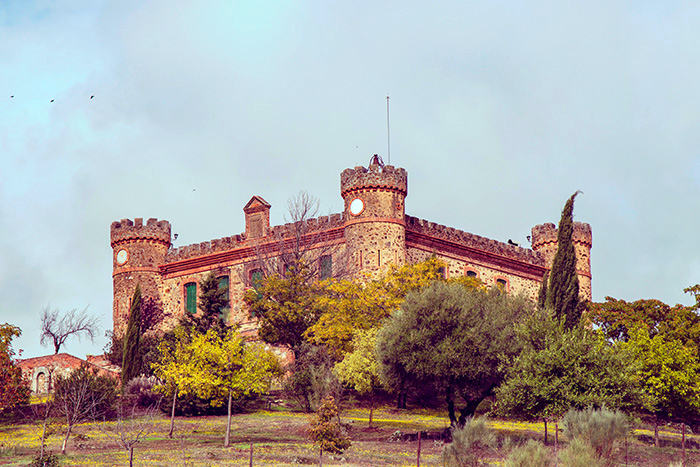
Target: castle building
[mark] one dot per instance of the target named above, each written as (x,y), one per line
(371,233)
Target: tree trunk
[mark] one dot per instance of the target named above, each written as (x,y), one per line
(43,439)
(545,432)
(371,407)
(556,444)
(65,440)
(656,432)
(683,446)
(320,458)
(468,411)
(228,421)
(172,415)
(131,456)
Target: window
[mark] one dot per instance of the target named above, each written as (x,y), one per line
(191,297)
(471,273)
(223,314)
(502,284)
(256,277)
(325,267)
(442,272)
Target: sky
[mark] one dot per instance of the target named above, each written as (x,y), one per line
(499,111)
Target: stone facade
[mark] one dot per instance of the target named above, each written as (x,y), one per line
(371,233)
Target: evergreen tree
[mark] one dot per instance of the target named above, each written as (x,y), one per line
(131,360)
(212,300)
(562,292)
(542,296)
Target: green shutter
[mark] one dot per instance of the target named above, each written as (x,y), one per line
(191,297)
(224,313)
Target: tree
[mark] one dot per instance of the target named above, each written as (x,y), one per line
(670,374)
(82,396)
(131,361)
(132,428)
(174,368)
(562,285)
(212,300)
(311,378)
(559,369)
(452,337)
(227,368)
(348,306)
(57,329)
(359,368)
(285,306)
(14,388)
(325,431)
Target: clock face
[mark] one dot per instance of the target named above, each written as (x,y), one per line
(356,206)
(122,256)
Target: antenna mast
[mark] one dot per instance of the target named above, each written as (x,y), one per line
(388,134)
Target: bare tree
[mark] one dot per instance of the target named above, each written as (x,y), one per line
(57,329)
(305,240)
(83,396)
(131,427)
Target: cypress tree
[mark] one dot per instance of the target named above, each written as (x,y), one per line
(131,360)
(562,293)
(542,297)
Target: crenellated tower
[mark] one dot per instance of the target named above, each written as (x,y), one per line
(137,250)
(375,230)
(544,240)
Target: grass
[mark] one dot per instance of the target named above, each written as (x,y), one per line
(279,439)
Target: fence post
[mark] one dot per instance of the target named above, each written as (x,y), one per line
(418,458)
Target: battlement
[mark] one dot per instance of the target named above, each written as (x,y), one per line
(461,237)
(543,234)
(278,232)
(126,230)
(375,177)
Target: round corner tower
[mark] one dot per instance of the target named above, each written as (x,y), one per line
(137,251)
(375,229)
(544,240)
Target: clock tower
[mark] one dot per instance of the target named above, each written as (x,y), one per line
(375,229)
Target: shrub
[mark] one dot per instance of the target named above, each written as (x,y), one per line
(600,428)
(325,430)
(469,444)
(142,393)
(532,454)
(579,454)
(49,460)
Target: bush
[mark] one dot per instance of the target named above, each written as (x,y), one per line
(469,444)
(600,428)
(579,454)
(532,454)
(325,430)
(142,393)
(49,460)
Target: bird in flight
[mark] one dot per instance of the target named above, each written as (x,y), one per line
(91,97)
(52,100)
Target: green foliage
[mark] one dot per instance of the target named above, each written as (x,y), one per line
(14,388)
(559,369)
(470,444)
(449,336)
(131,361)
(49,459)
(285,306)
(347,306)
(212,300)
(325,431)
(360,369)
(579,454)
(562,293)
(670,374)
(312,378)
(531,454)
(599,428)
